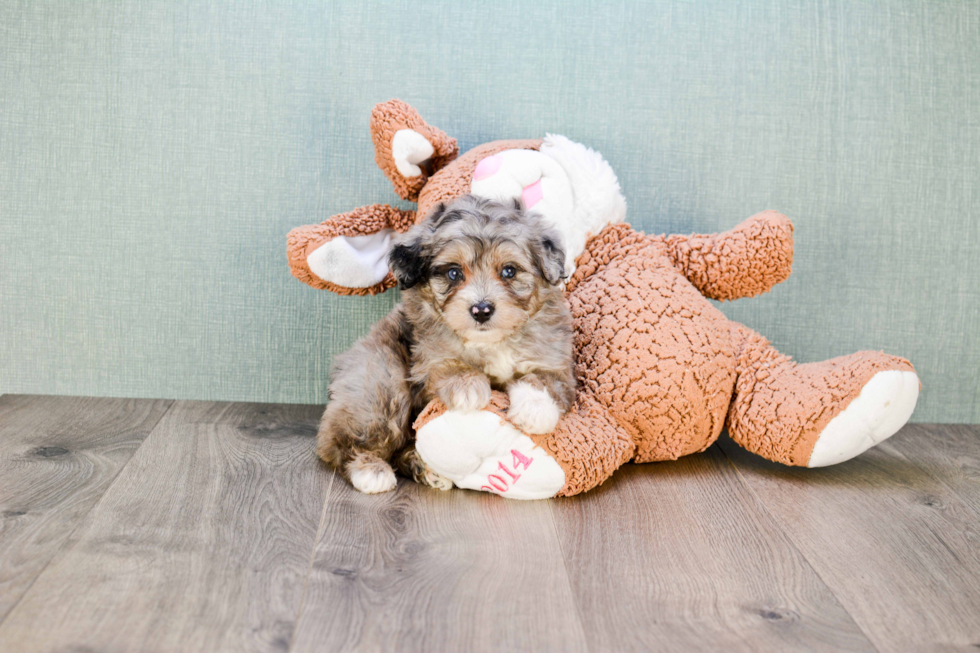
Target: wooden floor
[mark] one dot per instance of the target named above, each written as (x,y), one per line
(138,525)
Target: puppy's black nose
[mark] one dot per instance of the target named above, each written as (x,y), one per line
(481,312)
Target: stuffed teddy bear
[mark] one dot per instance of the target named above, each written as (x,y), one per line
(661,371)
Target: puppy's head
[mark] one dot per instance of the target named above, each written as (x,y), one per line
(482,267)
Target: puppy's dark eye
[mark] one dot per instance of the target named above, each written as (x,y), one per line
(508,272)
(454,274)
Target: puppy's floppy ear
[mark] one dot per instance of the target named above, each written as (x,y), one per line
(434,219)
(550,256)
(410,257)
(408,261)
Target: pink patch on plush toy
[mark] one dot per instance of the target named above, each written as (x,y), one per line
(488,167)
(532,194)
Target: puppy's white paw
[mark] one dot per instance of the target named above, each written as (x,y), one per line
(371,477)
(467,393)
(531,409)
(438,481)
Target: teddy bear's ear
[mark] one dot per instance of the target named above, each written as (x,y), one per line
(408,149)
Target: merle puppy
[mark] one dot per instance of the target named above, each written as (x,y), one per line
(483,307)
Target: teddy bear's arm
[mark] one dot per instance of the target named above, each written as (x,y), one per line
(347,253)
(745,261)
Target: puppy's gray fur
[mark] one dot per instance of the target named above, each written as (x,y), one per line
(475,255)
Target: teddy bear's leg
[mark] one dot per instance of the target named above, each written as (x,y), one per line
(482,450)
(347,253)
(816,414)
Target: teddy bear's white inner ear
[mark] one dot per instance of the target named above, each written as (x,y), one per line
(408,148)
(352,261)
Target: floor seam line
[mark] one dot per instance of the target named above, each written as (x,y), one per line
(309,568)
(568,579)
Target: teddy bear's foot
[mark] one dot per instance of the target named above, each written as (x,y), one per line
(885,404)
(481,450)
(819,413)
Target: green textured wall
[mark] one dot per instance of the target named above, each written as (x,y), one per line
(153,156)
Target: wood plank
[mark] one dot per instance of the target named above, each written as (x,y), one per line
(201,544)
(680,556)
(422,570)
(897,546)
(950,453)
(58,455)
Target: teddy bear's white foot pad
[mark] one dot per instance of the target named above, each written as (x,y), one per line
(885,404)
(478,450)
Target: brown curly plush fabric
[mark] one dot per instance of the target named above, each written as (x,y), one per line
(649,346)
(746,261)
(672,370)
(301,241)
(386,119)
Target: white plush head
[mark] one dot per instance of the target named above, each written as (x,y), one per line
(571,186)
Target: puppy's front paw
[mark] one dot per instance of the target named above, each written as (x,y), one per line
(531,409)
(466,393)
(371,476)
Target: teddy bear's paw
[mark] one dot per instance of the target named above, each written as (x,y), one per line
(885,404)
(436,480)
(531,409)
(466,393)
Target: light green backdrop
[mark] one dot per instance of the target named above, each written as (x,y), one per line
(153,156)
